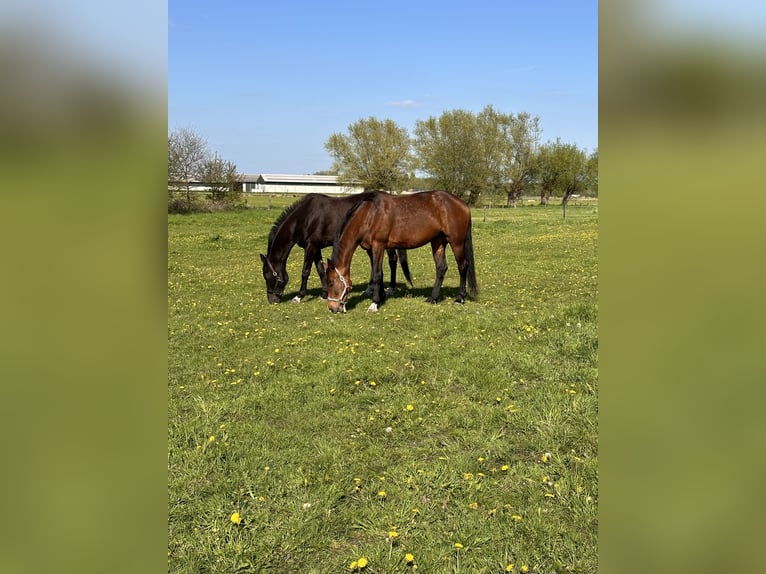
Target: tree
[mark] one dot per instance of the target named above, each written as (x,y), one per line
(566,169)
(376,154)
(187,151)
(220,176)
(468,154)
(592,168)
(451,150)
(547,169)
(520,137)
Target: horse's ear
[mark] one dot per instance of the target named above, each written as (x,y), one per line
(263,258)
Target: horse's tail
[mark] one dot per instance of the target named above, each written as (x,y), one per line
(473,287)
(402,253)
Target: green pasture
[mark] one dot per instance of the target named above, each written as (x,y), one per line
(422,438)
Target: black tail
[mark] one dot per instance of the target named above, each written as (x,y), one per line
(402,253)
(473,287)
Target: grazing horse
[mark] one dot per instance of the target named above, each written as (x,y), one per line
(383,221)
(312,223)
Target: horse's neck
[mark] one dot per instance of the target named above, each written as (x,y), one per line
(346,252)
(283,242)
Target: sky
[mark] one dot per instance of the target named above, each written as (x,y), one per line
(267,83)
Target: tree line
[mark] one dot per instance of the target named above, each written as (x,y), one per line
(468,154)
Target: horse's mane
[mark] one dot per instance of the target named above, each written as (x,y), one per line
(281,219)
(364,197)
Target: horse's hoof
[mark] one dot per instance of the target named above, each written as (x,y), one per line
(373,308)
(431,300)
(296,299)
(389,292)
(459,300)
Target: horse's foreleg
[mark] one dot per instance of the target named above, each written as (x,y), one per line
(377,279)
(370,285)
(308,259)
(392,259)
(321,272)
(440,260)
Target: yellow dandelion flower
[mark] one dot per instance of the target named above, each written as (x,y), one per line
(211,438)
(473,505)
(458,546)
(235,518)
(362,562)
(409,558)
(545,457)
(393,534)
(373,383)
(505,467)
(509,567)
(516,517)
(353,565)
(382,493)
(410,407)
(525,568)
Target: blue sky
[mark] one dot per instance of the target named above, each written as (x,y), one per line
(267,83)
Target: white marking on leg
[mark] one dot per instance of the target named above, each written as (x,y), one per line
(296,299)
(373,308)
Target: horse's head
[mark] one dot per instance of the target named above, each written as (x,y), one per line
(338,288)
(276,279)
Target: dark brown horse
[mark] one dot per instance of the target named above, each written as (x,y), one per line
(312,223)
(383,221)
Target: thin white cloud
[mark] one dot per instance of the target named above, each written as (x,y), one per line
(522,69)
(404,104)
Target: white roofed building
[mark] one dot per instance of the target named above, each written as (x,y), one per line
(287,183)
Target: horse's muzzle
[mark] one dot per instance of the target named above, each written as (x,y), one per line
(336,307)
(273,297)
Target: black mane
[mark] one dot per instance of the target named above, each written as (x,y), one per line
(281,219)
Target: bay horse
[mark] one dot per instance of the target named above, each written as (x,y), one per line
(312,223)
(383,221)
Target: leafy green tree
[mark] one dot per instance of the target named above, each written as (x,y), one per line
(572,171)
(468,154)
(451,150)
(221,177)
(521,138)
(592,168)
(547,169)
(376,154)
(564,169)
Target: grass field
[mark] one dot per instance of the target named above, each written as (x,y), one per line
(429,438)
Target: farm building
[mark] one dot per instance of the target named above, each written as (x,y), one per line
(285,183)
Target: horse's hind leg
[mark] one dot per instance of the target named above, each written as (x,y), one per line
(392,259)
(440,259)
(462,267)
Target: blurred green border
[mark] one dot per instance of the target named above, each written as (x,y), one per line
(682,148)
